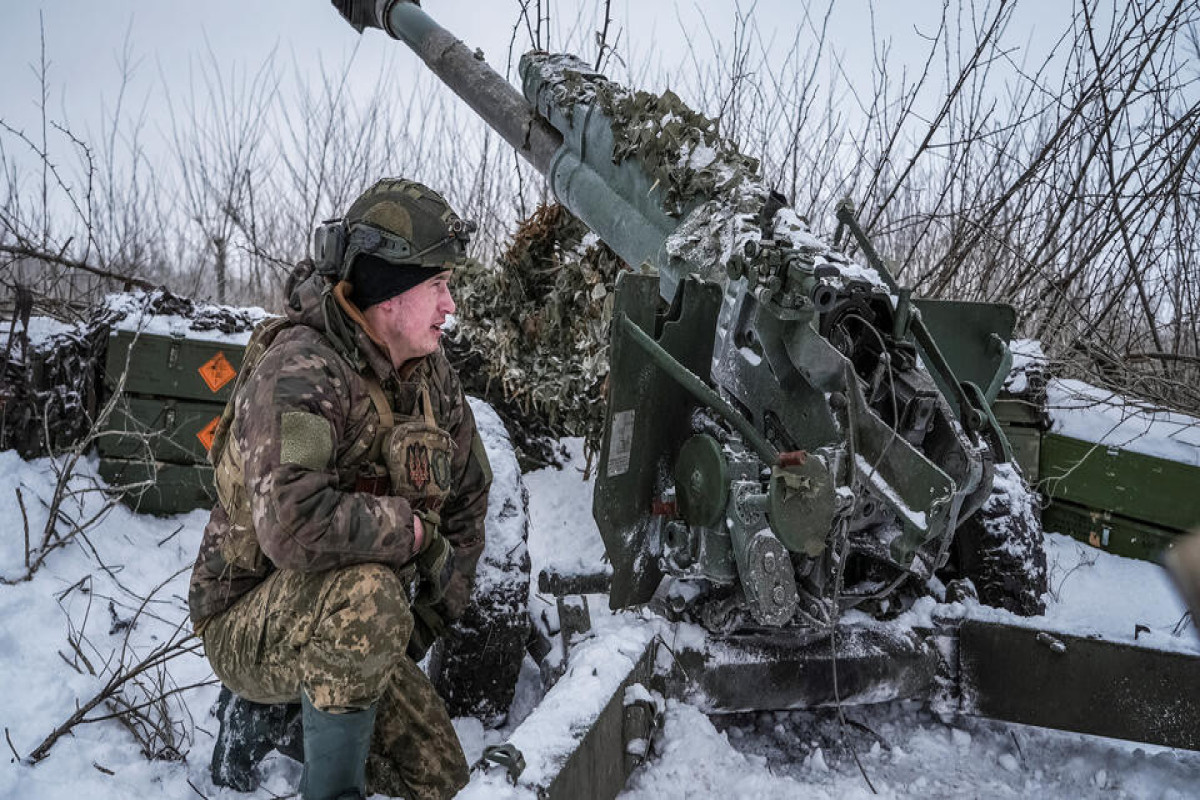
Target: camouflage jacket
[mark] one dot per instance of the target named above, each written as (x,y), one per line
(311,517)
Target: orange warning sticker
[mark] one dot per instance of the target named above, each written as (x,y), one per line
(217,372)
(207,432)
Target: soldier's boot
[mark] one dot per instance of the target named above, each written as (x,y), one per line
(335,752)
(1183,563)
(248,732)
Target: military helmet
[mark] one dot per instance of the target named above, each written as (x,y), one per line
(399,221)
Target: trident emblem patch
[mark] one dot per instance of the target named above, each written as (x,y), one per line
(416,462)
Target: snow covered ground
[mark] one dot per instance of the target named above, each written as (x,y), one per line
(116,591)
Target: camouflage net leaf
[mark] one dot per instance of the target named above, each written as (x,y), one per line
(532,334)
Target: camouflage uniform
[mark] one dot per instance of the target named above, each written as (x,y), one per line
(302,580)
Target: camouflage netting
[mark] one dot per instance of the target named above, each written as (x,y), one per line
(51,389)
(532,334)
(682,149)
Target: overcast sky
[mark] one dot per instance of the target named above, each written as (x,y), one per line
(167,39)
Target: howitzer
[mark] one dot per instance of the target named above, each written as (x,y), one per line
(784,436)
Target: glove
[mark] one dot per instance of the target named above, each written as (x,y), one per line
(444,590)
(427,627)
(435,562)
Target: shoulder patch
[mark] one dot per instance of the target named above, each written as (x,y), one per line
(306,439)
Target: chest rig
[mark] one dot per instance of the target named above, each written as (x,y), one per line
(409,457)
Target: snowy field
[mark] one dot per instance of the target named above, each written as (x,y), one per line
(115,593)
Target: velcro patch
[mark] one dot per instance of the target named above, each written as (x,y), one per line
(306,439)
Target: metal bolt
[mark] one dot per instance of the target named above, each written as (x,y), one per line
(777,595)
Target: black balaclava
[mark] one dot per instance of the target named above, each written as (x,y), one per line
(375,280)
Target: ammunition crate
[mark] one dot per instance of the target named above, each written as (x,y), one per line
(170,366)
(1022,425)
(1165,494)
(173,391)
(1107,531)
(175,431)
(160,488)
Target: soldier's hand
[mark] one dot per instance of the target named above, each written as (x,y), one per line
(435,562)
(427,627)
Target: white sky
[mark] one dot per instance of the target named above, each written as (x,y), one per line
(167,39)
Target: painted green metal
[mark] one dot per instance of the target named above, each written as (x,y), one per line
(164,429)
(939,369)
(698,389)
(1026,449)
(701,481)
(648,412)
(973,338)
(486,92)
(1108,531)
(1153,490)
(160,488)
(1016,413)
(172,391)
(1023,423)
(801,503)
(598,768)
(776,670)
(170,367)
(1080,684)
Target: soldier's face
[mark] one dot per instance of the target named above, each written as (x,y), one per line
(415,319)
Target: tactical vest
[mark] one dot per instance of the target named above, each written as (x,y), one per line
(409,458)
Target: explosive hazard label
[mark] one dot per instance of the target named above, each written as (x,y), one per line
(620,443)
(205,435)
(217,372)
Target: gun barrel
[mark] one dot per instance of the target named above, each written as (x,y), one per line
(469,76)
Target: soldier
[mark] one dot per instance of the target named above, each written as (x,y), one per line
(348,469)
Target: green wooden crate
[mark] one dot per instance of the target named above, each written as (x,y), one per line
(1162,493)
(167,366)
(1026,445)
(177,431)
(1108,531)
(160,488)
(1010,412)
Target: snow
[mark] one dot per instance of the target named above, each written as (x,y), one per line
(1027,354)
(907,752)
(560,510)
(135,316)
(39,330)
(904,751)
(1086,412)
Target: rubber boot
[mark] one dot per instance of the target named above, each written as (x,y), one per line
(248,732)
(335,752)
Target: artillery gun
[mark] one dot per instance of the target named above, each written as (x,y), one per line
(784,437)
(789,434)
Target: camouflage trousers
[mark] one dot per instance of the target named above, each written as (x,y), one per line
(340,636)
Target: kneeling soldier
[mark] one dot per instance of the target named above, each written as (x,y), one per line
(352,492)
